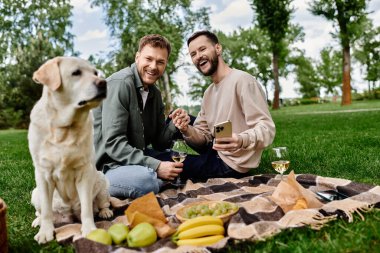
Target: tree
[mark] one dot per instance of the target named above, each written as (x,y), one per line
(347,17)
(273,18)
(367,52)
(198,85)
(328,69)
(306,75)
(130,20)
(31,32)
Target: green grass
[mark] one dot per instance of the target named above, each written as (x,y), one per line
(342,144)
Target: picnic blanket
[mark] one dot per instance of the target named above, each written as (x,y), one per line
(259,217)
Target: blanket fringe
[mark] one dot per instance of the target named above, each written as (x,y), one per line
(359,210)
(319,220)
(349,207)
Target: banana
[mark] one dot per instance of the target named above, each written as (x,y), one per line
(199,221)
(200,231)
(202,241)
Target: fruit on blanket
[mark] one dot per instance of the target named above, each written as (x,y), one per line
(199,221)
(200,231)
(118,232)
(213,209)
(100,235)
(144,234)
(202,241)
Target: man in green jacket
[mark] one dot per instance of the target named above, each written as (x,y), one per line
(131,118)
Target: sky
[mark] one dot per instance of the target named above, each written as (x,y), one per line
(92,36)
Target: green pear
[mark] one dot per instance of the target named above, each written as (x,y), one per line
(118,232)
(144,234)
(100,235)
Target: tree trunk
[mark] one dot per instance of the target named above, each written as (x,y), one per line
(276,97)
(266,92)
(346,89)
(168,96)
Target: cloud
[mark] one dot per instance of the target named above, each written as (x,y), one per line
(213,5)
(92,35)
(237,13)
(374,8)
(83,6)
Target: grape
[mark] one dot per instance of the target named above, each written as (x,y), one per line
(214,209)
(216,212)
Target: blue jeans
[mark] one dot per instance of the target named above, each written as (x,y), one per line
(132,181)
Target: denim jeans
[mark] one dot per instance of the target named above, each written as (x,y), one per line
(132,181)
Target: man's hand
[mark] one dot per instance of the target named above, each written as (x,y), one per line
(180,119)
(169,170)
(228,143)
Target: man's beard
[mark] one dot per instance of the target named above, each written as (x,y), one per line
(214,65)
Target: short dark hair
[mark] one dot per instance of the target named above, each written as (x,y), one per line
(211,36)
(155,40)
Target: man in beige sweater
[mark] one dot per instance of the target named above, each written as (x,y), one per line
(234,95)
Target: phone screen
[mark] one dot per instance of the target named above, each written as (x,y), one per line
(331,195)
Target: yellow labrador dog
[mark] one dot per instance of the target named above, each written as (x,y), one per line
(61,141)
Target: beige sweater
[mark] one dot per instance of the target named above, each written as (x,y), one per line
(240,99)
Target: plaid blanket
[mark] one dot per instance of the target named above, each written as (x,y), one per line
(258,217)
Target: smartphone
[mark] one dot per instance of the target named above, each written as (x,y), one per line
(223,129)
(331,195)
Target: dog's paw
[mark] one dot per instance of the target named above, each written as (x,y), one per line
(45,235)
(36,222)
(87,229)
(105,213)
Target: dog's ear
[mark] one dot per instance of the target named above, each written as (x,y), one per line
(48,74)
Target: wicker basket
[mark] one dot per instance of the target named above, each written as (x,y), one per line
(3,228)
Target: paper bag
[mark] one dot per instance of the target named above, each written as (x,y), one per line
(290,195)
(147,209)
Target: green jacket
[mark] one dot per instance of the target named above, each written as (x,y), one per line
(122,129)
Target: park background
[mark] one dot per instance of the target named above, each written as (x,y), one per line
(296,49)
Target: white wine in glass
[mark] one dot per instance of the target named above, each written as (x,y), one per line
(178,153)
(178,157)
(280,159)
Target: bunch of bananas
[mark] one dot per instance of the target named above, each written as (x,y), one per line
(199,231)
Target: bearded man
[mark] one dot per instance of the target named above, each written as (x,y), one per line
(234,96)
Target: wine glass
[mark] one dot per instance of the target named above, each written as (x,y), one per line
(280,159)
(178,153)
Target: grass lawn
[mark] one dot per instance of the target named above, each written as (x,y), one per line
(339,144)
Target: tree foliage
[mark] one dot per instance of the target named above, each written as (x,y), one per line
(306,75)
(347,17)
(312,75)
(31,32)
(198,86)
(367,52)
(273,17)
(329,69)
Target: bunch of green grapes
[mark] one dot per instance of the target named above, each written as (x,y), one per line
(215,209)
